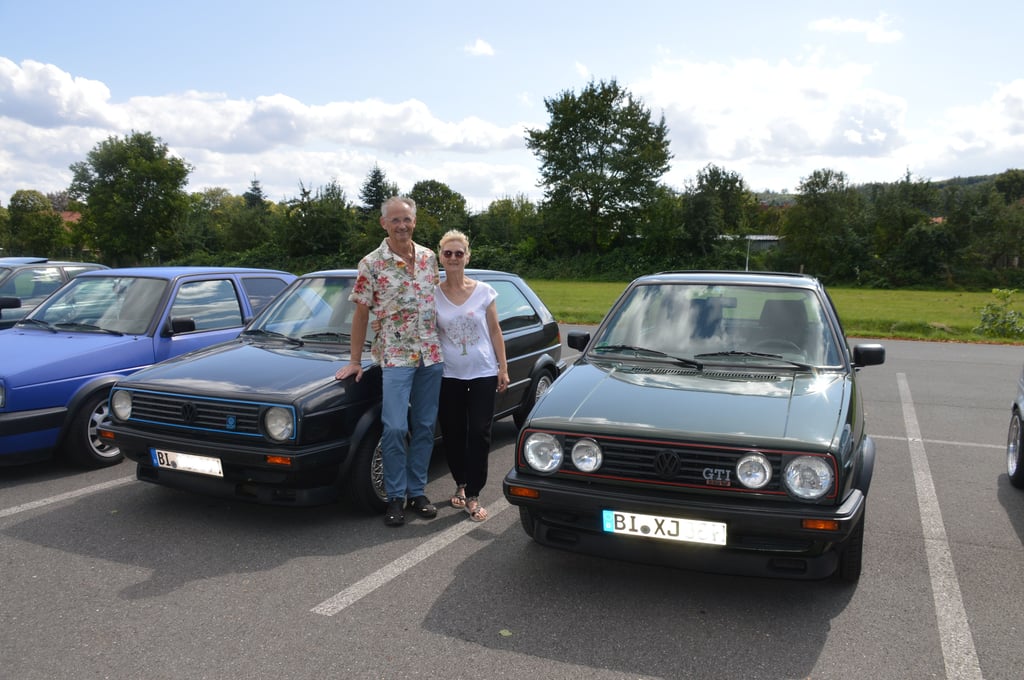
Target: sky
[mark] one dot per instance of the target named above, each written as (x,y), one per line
(302,93)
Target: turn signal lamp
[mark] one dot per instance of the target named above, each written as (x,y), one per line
(821,524)
(278,460)
(522,492)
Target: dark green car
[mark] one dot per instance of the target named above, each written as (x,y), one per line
(712,421)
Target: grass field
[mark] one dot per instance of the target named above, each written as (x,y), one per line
(906,314)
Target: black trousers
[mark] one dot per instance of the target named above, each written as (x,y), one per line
(465,414)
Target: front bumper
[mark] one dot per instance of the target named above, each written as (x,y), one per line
(28,436)
(764,538)
(312,477)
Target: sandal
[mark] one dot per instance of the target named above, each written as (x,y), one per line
(476,512)
(458,499)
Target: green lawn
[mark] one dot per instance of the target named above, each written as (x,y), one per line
(907,314)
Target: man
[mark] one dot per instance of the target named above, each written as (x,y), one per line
(396,285)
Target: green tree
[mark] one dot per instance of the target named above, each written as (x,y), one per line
(718,203)
(35,227)
(133,193)
(318,223)
(601,157)
(824,229)
(5,231)
(375,190)
(1011,185)
(438,209)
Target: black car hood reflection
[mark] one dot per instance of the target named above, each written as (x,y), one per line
(764,406)
(244,368)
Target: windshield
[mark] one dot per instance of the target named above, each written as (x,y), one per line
(721,324)
(313,310)
(119,304)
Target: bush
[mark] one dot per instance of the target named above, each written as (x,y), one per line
(998,320)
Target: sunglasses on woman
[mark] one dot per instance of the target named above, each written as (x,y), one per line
(457,254)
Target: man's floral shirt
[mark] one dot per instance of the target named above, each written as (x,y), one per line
(403,302)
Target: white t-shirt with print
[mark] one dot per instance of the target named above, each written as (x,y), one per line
(465,339)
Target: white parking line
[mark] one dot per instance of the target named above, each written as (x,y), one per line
(942,442)
(386,574)
(958,651)
(42,502)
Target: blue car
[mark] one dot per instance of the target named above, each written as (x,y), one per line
(60,361)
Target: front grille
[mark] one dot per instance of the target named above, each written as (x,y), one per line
(226,416)
(672,464)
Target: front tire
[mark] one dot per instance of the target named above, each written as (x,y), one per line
(537,389)
(365,485)
(82,443)
(1014,464)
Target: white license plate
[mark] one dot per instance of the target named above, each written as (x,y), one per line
(187,462)
(664,528)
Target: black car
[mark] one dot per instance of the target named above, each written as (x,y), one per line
(713,421)
(27,281)
(262,418)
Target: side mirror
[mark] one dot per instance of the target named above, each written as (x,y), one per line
(181,324)
(868,355)
(578,340)
(10,303)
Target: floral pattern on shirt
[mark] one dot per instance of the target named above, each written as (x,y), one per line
(403,302)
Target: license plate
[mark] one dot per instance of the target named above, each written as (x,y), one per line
(664,528)
(187,462)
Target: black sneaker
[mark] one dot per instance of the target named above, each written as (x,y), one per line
(422,506)
(393,516)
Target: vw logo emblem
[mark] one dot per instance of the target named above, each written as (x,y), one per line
(666,464)
(188,412)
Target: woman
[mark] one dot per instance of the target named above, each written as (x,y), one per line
(474,369)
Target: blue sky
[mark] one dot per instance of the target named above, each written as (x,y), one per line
(310,92)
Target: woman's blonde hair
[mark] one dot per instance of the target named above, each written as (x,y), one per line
(454,235)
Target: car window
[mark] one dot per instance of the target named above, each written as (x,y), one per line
(689,320)
(211,304)
(74,270)
(312,306)
(119,303)
(514,309)
(261,290)
(32,285)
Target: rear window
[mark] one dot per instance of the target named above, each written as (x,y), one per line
(261,290)
(514,310)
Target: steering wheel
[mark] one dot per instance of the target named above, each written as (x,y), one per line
(778,345)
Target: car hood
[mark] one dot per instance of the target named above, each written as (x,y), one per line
(37,356)
(757,406)
(244,370)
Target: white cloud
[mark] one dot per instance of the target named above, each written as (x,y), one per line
(582,70)
(480,48)
(876,31)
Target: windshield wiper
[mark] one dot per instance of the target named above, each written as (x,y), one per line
(78,325)
(619,349)
(329,335)
(272,334)
(755,355)
(38,322)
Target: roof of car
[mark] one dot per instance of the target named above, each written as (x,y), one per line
(175,272)
(14,261)
(733,277)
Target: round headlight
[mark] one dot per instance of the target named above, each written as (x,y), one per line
(754,471)
(543,452)
(586,455)
(808,477)
(121,404)
(278,424)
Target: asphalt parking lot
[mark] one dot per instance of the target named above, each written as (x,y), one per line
(106,577)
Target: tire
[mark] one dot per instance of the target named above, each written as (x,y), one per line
(851,554)
(82,443)
(365,484)
(528,521)
(1014,449)
(540,385)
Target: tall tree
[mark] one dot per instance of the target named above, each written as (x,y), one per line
(318,223)
(824,229)
(36,228)
(438,209)
(133,193)
(375,190)
(601,157)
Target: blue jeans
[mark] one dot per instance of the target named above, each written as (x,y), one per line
(409,410)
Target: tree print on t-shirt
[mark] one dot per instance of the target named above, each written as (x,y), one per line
(463,331)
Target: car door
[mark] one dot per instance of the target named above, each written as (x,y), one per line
(214,304)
